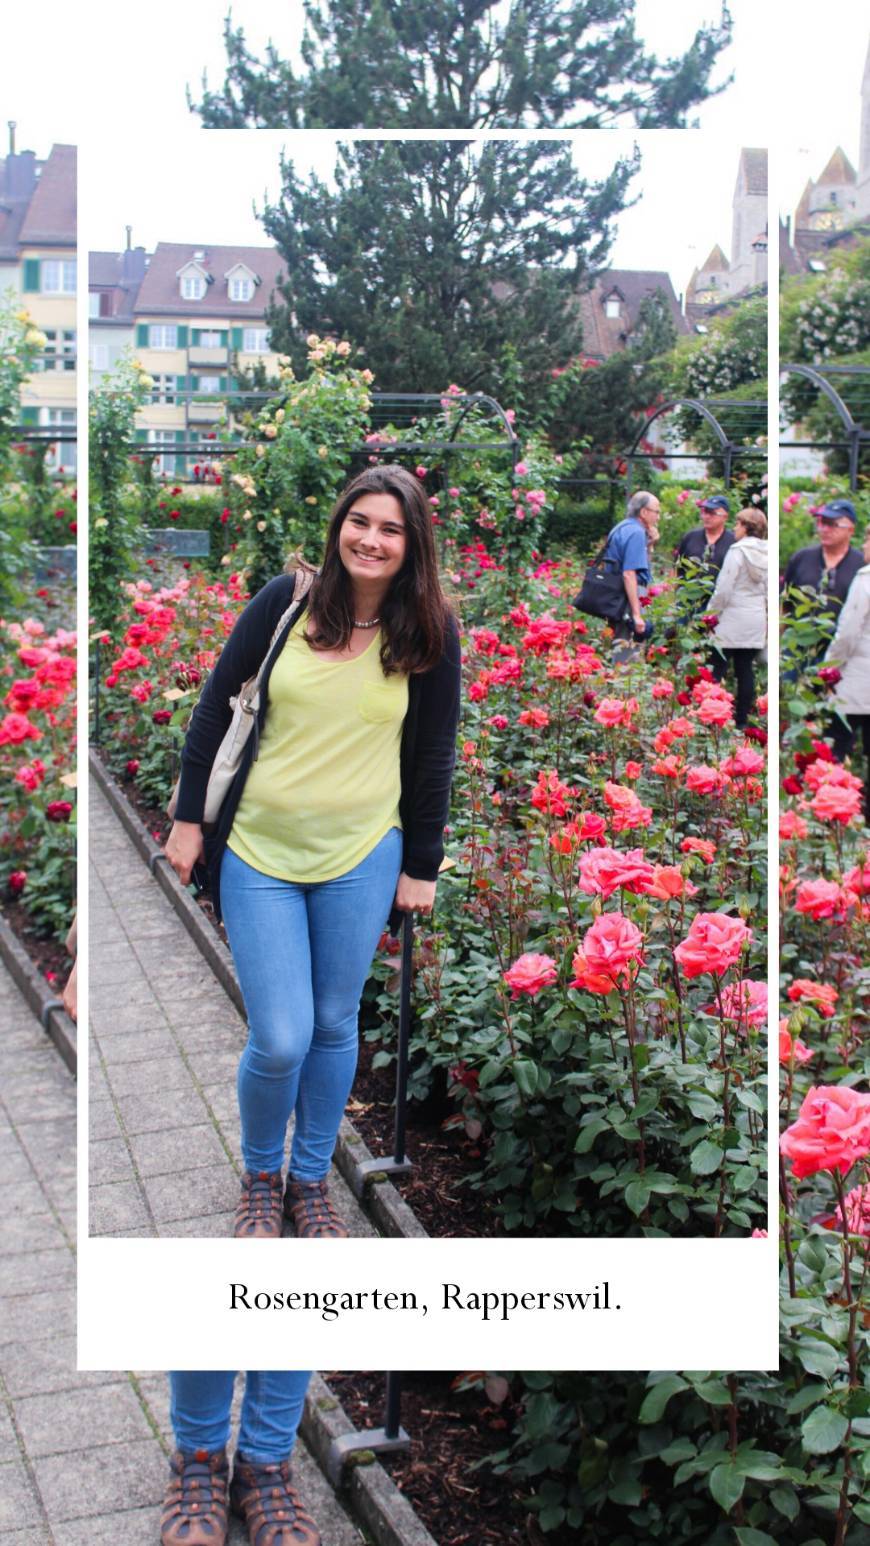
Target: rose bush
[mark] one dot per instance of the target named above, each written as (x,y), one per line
(37,771)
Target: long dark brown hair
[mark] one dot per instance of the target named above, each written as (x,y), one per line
(414,611)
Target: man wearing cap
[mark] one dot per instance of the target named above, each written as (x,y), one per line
(828,567)
(708,543)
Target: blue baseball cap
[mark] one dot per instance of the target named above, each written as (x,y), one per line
(835,508)
(715,502)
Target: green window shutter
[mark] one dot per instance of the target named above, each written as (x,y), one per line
(224,338)
(31,274)
(141,434)
(30,415)
(141,335)
(179,437)
(195,336)
(194,383)
(238,338)
(181,383)
(182,338)
(225,383)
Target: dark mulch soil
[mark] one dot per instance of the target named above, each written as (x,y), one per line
(450,1430)
(48,955)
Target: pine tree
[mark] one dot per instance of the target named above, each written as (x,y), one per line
(448,64)
(443,261)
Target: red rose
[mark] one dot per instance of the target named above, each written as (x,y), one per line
(58,810)
(132,767)
(173,515)
(792,784)
(161,716)
(832,1131)
(17,881)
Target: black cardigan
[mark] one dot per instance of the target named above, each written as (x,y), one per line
(428,748)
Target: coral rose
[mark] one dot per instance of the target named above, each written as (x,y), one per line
(821,995)
(612,947)
(714,942)
(821,899)
(832,1131)
(701,779)
(791,1048)
(604,870)
(834,803)
(791,825)
(744,1001)
(699,845)
(530,974)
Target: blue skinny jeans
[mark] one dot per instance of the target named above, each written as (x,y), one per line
(303,953)
(271,1411)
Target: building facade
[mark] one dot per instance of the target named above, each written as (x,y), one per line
(198,318)
(721,279)
(38,263)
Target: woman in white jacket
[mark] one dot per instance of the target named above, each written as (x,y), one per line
(739,602)
(849,651)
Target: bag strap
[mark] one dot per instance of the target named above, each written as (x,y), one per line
(303,581)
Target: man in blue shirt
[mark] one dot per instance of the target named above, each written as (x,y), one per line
(628,550)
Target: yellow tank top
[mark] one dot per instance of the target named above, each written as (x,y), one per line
(325,787)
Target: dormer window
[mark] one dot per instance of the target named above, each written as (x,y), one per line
(192,287)
(611,306)
(241,288)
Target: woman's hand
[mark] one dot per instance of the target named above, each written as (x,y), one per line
(414,896)
(185,848)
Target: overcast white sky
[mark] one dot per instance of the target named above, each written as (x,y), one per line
(146,162)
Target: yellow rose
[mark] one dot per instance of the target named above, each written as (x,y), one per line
(343,348)
(261,450)
(101,521)
(311,500)
(23,315)
(247,516)
(270,432)
(35,337)
(146,381)
(225,559)
(261,526)
(322,452)
(279,416)
(312,340)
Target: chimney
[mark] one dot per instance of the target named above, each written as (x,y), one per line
(11,126)
(20,172)
(129,230)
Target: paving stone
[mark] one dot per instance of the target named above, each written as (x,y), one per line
(136,1527)
(18,1504)
(134,1478)
(211,1065)
(102,1120)
(47,1365)
(125,1047)
(24,1318)
(9,1446)
(173,1108)
(29,1271)
(20,1197)
(23,1231)
(109,1160)
(157,1154)
(116,1207)
(55,1424)
(184,1193)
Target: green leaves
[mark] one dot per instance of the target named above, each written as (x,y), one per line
(824,1430)
(657,1398)
(726,1485)
(706,1158)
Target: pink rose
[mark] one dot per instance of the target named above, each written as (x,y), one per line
(714,942)
(612,947)
(832,1131)
(530,974)
(604,870)
(791,1048)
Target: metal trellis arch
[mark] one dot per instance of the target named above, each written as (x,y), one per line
(729,449)
(857,435)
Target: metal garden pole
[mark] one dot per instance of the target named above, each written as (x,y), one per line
(391,1439)
(399,1164)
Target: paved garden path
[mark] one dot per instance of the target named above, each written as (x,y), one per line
(165,1044)
(82,1455)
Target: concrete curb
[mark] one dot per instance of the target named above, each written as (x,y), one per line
(373,1495)
(393,1216)
(41,998)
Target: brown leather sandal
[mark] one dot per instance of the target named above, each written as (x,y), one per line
(195,1505)
(309,1205)
(263,1497)
(258,1211)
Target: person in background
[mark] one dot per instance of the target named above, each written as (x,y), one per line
(739,601)
(828,567)
(849,651)
(628,551)
(708,543)
(199,1492)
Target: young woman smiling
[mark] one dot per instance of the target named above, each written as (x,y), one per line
(336,817)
